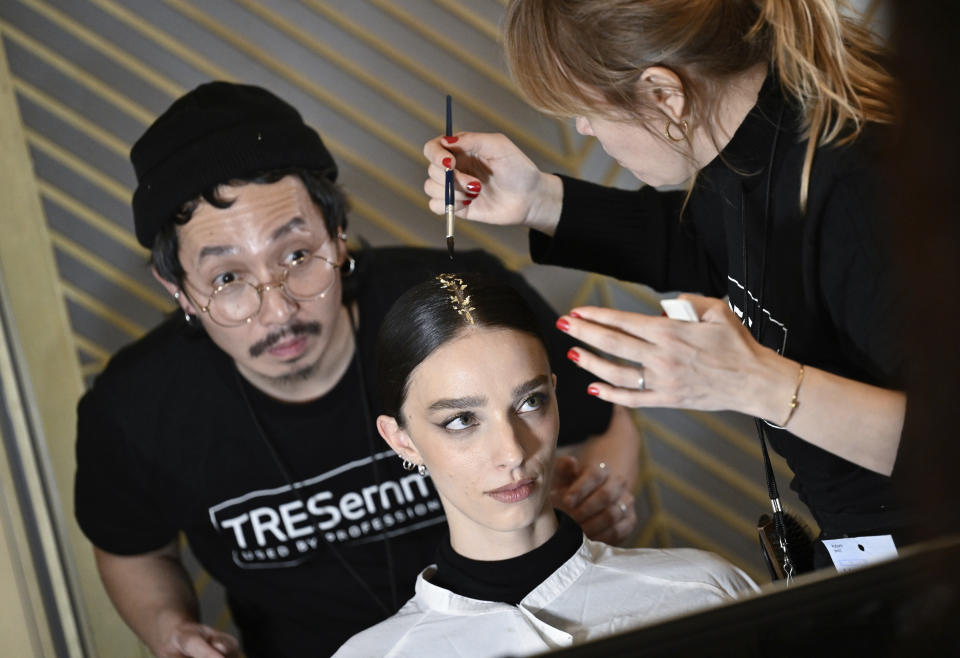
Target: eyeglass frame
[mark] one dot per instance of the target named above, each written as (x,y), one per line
(261,288)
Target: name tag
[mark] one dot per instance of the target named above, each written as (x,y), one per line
(855,552)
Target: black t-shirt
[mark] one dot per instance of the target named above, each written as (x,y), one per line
(166,444)
(823,273)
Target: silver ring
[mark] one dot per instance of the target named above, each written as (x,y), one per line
(602,466)
(641,383)
(623,508)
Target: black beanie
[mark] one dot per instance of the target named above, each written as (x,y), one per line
(218,132)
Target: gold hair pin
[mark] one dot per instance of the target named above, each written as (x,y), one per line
(460,301)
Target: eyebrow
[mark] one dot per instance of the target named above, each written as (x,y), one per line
(479,400)
(220,250)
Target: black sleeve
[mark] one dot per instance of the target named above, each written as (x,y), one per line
(631,235)
(856,280)
(581,415)
(114,500)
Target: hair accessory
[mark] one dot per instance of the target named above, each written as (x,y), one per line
(794,402)
(211,135)
(407,464)
(460,301)
(422,470)
(684,127)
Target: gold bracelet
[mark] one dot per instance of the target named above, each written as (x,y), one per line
(794,402)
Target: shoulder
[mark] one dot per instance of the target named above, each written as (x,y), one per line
(683,567)
(385,638)
(163,359)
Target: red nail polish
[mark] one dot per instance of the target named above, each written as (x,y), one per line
(663,313)
(573,355)
(447,163)
(574,314)
(472,195)
(593,390)
(453,139)
(563,324)
(473,186)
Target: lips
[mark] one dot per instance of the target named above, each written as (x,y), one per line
(289,349)
(513,492)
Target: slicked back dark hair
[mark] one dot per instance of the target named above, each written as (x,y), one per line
(329,197)
(424,318)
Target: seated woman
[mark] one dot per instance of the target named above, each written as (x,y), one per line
(469,397)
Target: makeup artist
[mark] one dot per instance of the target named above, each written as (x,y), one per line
(770,114)
(246,420)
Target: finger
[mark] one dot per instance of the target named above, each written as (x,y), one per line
(435,150)
(628,322)
(589,481)
(613,341)
(616,520)
(227,645)
(709,309)
(603,499)
(196,646)
(618,374)
(631,397)
(613,534)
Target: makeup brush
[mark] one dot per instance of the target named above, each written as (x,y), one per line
(448,188)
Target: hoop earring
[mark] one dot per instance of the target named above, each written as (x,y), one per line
(407,464)
(422,470)
(684,127)
(341,235)
(186,316)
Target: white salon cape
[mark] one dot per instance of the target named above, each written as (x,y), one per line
(599,591)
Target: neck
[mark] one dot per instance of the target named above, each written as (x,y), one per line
(737,99)
(316,379)
(481,543)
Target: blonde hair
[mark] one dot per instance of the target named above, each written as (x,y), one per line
(573,57)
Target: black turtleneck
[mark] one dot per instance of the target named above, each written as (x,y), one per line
(508,580)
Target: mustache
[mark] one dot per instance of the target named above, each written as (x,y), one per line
(295,329)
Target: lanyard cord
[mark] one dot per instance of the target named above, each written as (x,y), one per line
(753,315)
(285,472)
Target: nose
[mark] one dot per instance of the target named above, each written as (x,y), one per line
(510,451)
(276,306)
(583,126)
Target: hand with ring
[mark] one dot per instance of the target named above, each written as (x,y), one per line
(659,362)
(593,482)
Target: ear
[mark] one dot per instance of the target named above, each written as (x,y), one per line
(175,292)
(666,90)
(398,439)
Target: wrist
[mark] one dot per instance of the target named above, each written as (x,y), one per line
(547,203)
(772,392)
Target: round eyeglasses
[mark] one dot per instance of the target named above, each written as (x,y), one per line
(235,303)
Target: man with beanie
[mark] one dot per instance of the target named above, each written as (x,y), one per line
(245,420)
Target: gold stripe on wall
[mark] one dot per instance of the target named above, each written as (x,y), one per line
(98,308)
(98,179)
(474,20)
(78,74)
(71,117)
(461,97)
(705,501)
(96,351)
(111,273)
(697,538)
(103,46)
(91,217)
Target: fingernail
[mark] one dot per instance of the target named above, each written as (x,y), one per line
(593,390)
(574,314)
(663,313)
(453,139)
(563,324)
(447,163)
(472,195)
(573,355)
(466,202)
(473,186)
